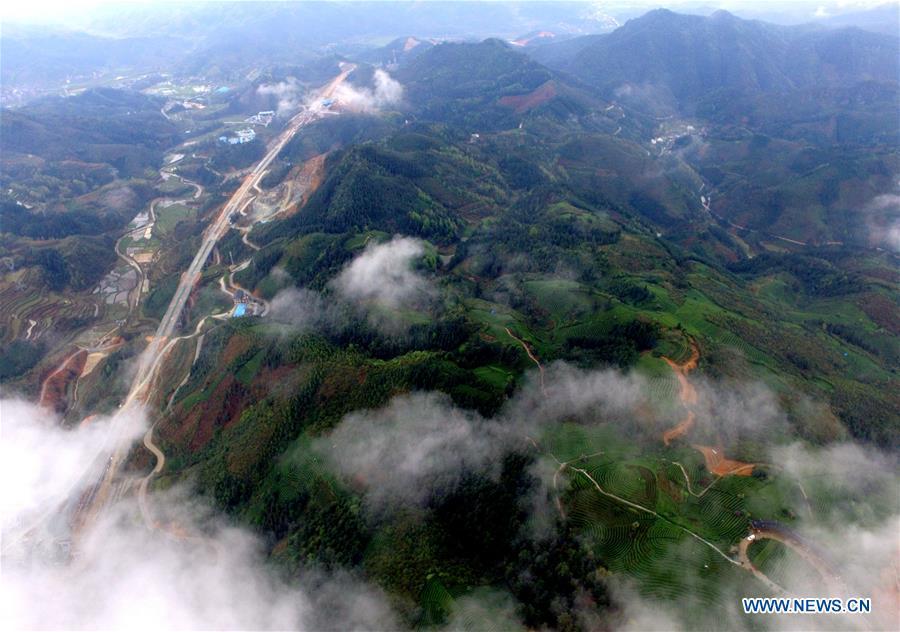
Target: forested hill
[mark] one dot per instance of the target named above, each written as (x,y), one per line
(91,127)
(490,86)
(681,58)
(580,250)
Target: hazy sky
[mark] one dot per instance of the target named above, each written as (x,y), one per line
(67,11)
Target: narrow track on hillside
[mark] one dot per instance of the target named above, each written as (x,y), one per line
(765,530)
(688,395)
(530,355)
(628,503)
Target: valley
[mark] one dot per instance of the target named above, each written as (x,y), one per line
(585,325)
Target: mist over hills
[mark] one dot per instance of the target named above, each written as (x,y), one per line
(233,36)
(227,38)
(441,316)
(683,57)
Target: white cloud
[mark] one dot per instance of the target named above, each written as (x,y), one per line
(383,274)
(289,93)
(43,464)
(378,280)
(387,91)
(854,494)
(416,444)
(884,220)
(192,571)
(303,309)
(422,443)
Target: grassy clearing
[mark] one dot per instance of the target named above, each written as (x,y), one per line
(495,375)
(564,299)
(250,368)
(168,217)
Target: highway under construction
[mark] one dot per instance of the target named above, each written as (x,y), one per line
(83,507)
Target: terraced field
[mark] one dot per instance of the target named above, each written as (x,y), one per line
(661,518)
(47,309)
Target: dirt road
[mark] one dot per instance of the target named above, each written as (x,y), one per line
(530,355)
(768,530)
(716,462)
(687,393)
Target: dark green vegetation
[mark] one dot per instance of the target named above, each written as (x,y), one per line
(591,250)
(793,129)
(681,59)
(553,225)
(74,174)
(18,357)
(121,129)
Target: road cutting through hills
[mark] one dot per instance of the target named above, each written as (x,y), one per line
(55,384)
(716,463)
(769,530)
(150,361)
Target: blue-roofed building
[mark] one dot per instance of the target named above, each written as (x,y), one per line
(239,310)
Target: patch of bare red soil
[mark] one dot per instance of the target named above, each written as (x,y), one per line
(716,462)
(721,466)
(524,102)
(307,178)
(687,393)
(55,386)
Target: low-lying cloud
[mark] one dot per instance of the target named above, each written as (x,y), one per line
(383,275)
(305,310)
(290,95)
(421,443)
(42,464)
(376,283)
(415,445)
(191,570)
(884,220)
(852,525)
(387,91)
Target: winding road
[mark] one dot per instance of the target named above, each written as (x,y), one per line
(531,356)
(151,359)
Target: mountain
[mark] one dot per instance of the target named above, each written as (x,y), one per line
(493,85)
(121,128)
(398,51)
(670,58)
(35,56)
(793,128)
(481,336)
(884,18)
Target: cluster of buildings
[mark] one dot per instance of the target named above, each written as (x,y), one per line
(261,118)
(240,137)
(245,305)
